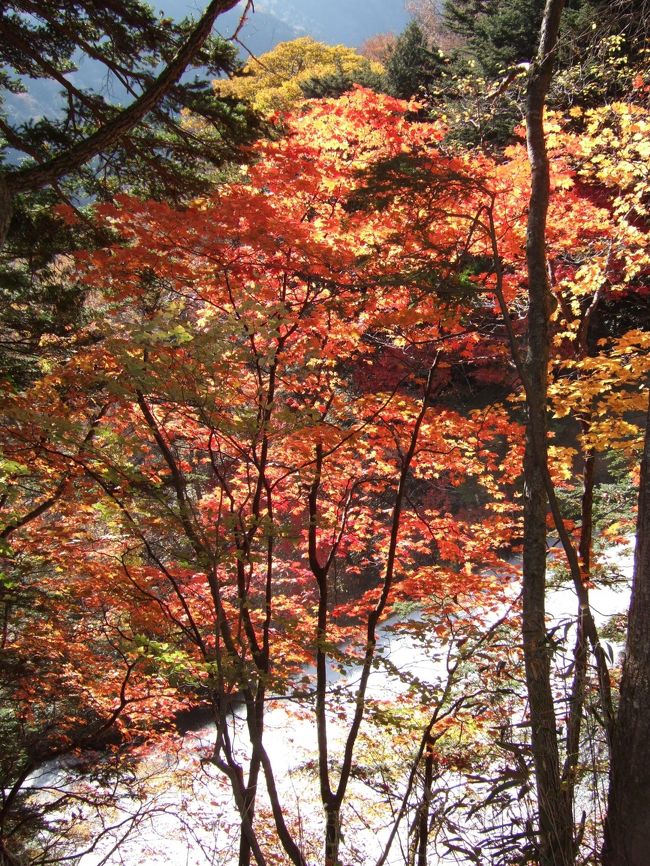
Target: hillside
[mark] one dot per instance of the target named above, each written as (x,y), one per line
(349,22)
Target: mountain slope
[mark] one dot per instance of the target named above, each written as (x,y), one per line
(347,22)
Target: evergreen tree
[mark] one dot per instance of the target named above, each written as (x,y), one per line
(104,84)
(412,65)
(497,33)
(124,130)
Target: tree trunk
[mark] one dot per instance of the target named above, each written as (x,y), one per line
(250,796)
(555,818)
(6,209)
(627,828)
(332,836)
(580,652)
(425,806)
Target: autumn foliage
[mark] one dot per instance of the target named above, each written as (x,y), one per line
(250,455)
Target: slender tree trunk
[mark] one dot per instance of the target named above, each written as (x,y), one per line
(580,652)
(423,817)
(627,828)
(587,507)
(6,209)
(555,818)
(250,796)
(332,836)
(333,800)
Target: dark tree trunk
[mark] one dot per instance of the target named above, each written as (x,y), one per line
(6,209)
(627,828)
(250,795)
(580,652)
(425,806)
(333,800)
(587,507)
(555,818)
(332,836)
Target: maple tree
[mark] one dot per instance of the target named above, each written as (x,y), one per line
(232,463)
(221,487)
(237,461)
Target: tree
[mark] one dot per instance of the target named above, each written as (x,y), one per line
(379,47)
(429,16)
(329,85)
(285,75)
(555,809)
(555,821)
(497,35)
(626,827)
(412,65)
(84,145)
(44,43)
(615,157)
(232,463)
(70,679)
(38,300)
(249,458)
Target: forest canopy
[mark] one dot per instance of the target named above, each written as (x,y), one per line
(325,441)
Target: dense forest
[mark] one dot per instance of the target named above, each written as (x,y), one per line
(325,438)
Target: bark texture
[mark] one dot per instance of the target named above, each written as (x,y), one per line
(555,818)
(627,828)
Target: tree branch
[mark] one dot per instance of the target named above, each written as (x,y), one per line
(38,176)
